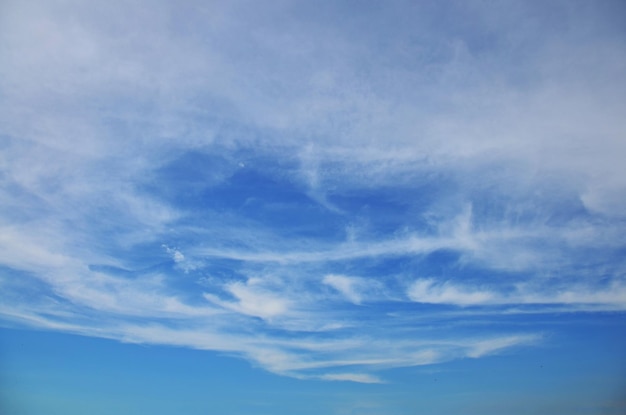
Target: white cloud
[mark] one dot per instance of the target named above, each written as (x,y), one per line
(509,155)
(29,251)
(613,296)
(177,256)
(253,299)
(181,262)
(353,288)
(430,291)
(490,346)
(352,377)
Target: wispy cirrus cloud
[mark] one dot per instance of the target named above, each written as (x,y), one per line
(446,292)
(288,185)
(353,288)
(252,299)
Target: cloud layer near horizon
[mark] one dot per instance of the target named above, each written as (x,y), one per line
(311,187)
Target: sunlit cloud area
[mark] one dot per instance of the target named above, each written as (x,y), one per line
(313,207)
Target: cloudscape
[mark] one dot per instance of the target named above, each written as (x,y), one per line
(353,200)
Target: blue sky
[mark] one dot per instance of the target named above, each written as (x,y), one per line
(313,207)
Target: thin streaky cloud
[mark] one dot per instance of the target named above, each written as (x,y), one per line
(327,191)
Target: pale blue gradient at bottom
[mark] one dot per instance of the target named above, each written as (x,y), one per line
(582,370)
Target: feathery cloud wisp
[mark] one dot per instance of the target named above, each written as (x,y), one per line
(303,192)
